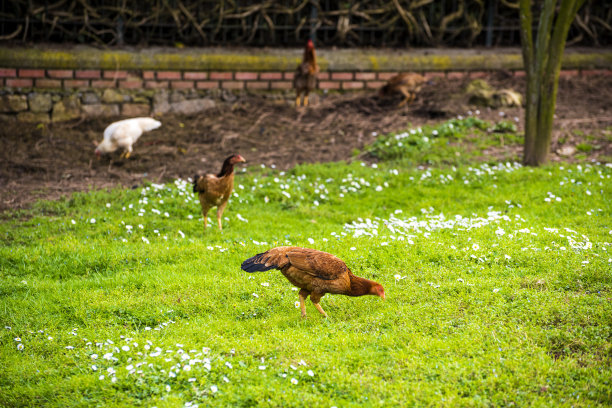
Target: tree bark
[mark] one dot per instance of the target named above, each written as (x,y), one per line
(542,67)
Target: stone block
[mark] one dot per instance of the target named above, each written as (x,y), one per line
(13,103)
(33,117)
(90,98)
(114,96)
(101,110)
(67,109)
(192,106)
(135,109)
(160,102)
(40,102)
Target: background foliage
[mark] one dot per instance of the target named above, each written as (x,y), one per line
(396,23)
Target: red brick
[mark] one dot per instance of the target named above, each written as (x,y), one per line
(346,76)
(60,73)
(289,75)
(271,75)
(365,76)
(385,76)
(8,72)
(148,75)
(375,84)
(232,85)
(115,74)
(352,85)
(429,75)
(207,84)
(258,85)
(520,73)
(156,84)
(87,74)
(49,83)
(478,74)
(221,75)
(103,84)
(281,85)
(181,84)
(195,75)
(568,73)
(168,75)
(455,74)
(32,73)
(329,85)
(76,83)
(131,84)
(593,72)
(322,76)
(246,76)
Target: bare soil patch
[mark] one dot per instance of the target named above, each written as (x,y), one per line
(47,162)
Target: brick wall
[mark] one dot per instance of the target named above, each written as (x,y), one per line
(257,81)
(49,95)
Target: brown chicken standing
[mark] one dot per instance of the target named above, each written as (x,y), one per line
(216,190)
(305,78)
(408,84)
(314,272)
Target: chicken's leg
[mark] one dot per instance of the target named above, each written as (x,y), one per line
(297,100)
(303,295)
(315,298)
(306,99)
(220,214)
(408,98)
(204,214)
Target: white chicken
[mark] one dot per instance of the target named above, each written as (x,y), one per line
(125,133)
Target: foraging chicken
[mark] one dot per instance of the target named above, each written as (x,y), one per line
(314,272)
(305,78)
(125,133)
(216,190)
(407,84)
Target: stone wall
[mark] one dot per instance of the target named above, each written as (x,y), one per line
(57,85)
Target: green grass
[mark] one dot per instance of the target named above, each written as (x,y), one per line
(498,282)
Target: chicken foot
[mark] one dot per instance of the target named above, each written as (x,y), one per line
(315,298)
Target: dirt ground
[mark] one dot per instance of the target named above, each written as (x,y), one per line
(54,160)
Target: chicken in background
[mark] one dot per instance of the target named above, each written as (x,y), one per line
(407,84)
(314,272)
(124,134)
(305,78)
(216,190)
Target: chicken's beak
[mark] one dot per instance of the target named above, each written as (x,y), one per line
(383,296)
(241,159)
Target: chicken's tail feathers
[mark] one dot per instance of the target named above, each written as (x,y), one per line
(256,264)
(196,178)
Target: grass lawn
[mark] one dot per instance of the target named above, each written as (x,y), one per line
(498,281)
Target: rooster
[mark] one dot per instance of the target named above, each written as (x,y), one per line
(314,272)
(124,133)
(305,78)
(216,190)
(407,84)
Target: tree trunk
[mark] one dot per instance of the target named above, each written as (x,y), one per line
(542,66)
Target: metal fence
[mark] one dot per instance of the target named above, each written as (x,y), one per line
(376,23)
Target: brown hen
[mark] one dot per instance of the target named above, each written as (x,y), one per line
(216,190)
(407,84)
(314,272)
(305,78)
